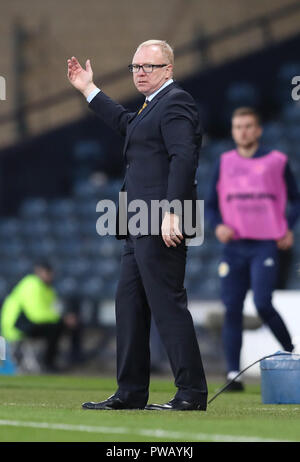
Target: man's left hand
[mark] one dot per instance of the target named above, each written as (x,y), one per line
(286,242)
(171,233)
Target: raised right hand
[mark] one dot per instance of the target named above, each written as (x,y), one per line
(81,78)
(224,233)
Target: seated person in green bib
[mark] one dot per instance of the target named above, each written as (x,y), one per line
(29,311)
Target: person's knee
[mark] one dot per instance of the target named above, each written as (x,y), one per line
(266,312)
(263,303)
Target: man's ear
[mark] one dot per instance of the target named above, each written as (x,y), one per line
(170,69)
(260,131)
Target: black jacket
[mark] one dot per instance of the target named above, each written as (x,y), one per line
(161,147)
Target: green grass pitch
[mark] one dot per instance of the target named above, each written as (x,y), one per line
(48,408)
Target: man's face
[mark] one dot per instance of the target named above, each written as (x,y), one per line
(44,274)
(245,130)
(148,83)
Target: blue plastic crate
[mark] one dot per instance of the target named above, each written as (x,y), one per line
(280,379)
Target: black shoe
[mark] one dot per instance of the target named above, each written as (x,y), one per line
(177,405)
(235,386)
(112,403)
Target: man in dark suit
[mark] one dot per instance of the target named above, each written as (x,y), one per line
(162,142)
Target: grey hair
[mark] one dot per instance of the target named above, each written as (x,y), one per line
(166,49)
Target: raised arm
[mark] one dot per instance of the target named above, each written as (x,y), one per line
(80,78)
(112,113)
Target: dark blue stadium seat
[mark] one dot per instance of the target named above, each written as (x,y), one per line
(91,288)
(87,228)
(77,268)
(12,247)
(35,228)
(9,227)
(86,209)
(216,148)
(273,132)
(91,246)
(65,228)
(194,268)
(38,248)
(61,208)
(83,190)
(69,247)
(109,247)
(33,207)
(293,133)
(67,286)
(107,268)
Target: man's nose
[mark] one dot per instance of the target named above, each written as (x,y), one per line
(141,70)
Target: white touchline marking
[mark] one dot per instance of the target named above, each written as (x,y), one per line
(132,431)
(272,409)
(33,405)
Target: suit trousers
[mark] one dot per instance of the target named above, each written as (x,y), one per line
(152,283)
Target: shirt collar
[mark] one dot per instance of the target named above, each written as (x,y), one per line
(260,152)
(168,82)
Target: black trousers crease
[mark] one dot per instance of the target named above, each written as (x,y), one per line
(152,284)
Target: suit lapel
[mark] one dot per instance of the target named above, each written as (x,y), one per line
(136,120)
(138,117)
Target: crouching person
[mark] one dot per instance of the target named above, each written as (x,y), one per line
(29,311)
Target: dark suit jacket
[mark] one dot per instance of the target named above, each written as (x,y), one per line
(161,147)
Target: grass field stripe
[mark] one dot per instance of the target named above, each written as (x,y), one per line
(158,433)
(68,427)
